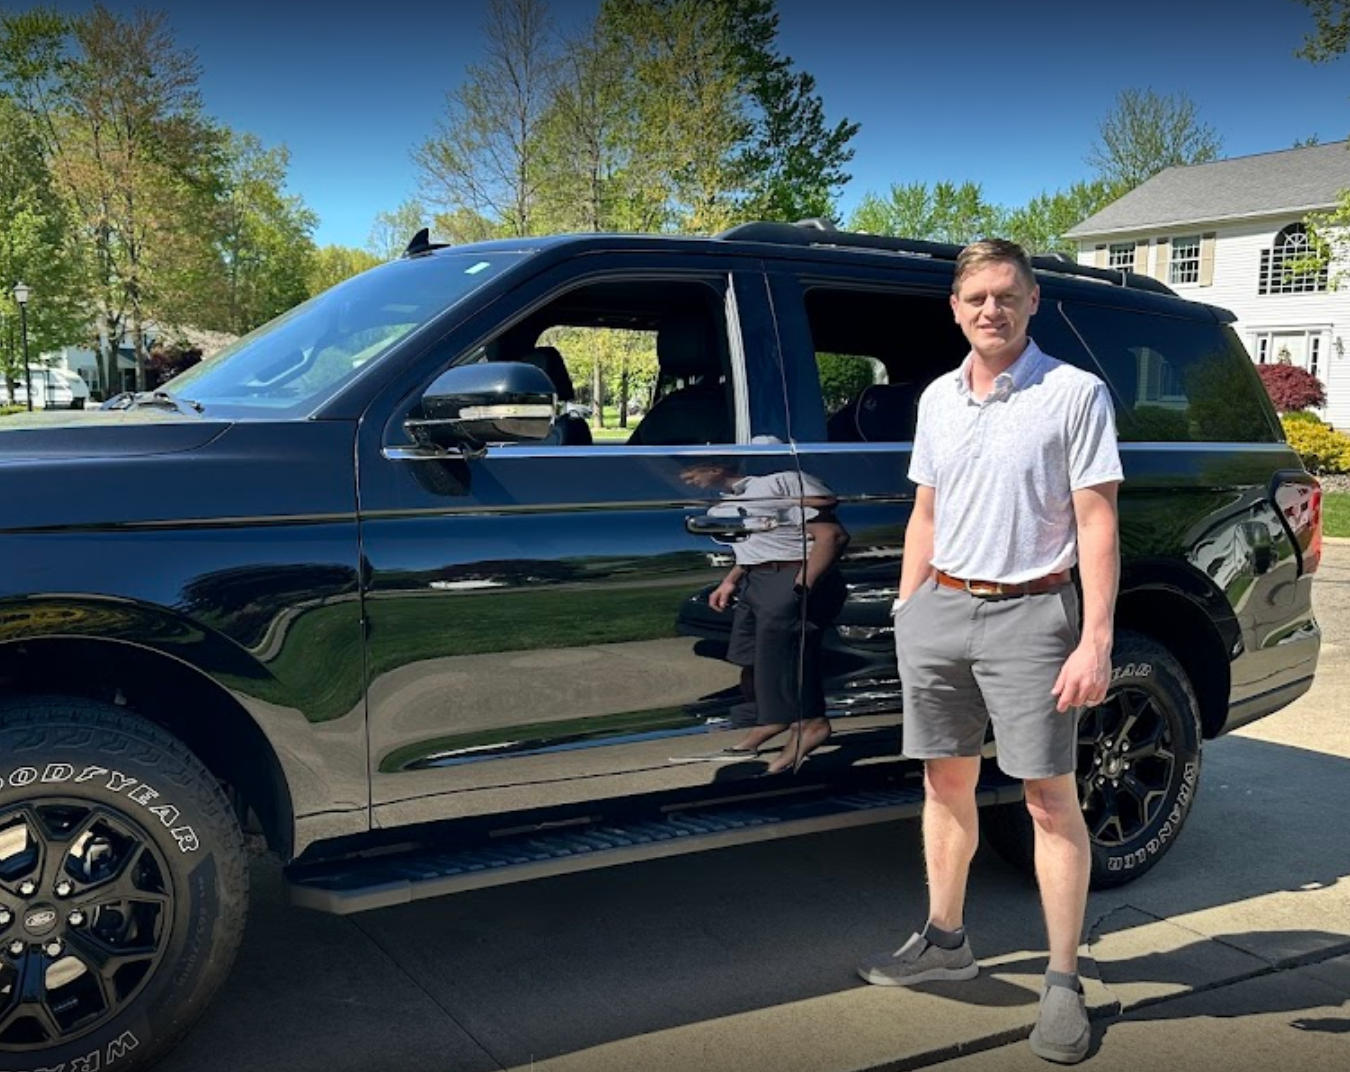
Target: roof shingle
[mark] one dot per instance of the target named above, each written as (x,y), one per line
(1278,183)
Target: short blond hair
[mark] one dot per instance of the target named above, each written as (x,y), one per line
(988,251)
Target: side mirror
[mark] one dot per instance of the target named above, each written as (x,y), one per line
(470,406)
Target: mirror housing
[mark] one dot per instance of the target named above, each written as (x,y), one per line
(470,406)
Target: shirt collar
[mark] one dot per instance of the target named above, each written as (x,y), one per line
(1015,377)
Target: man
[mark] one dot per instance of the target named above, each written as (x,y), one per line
(1016,469)
(791,560)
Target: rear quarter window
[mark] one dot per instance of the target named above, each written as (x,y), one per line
(1174,379)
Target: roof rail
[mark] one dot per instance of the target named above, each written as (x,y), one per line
(821,232)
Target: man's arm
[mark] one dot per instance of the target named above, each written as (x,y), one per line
(828,540)
(918,558)
(1086,674)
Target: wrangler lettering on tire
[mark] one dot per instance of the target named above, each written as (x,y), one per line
(122,886)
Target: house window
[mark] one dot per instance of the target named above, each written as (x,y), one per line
(1185,264)
(1314,352)
(1120,255)
(1278,265)
(1262,349)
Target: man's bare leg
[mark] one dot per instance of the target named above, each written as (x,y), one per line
(951,833)
(1063,864)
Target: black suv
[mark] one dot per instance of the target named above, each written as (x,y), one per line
(367,586)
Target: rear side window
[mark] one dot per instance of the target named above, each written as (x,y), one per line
(1175,379)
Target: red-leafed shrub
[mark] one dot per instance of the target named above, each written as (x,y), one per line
(1292,388)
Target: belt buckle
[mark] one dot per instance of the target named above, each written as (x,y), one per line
(983,588)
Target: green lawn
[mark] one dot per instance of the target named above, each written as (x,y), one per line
(1336,513)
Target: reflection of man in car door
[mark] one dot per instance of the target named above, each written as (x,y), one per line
(788,557)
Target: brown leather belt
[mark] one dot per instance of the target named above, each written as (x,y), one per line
(998,590)
(776,564)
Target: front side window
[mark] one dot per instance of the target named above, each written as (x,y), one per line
(1185,263)
(293,364)
(643,362)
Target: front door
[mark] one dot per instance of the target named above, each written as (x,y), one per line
(538,627)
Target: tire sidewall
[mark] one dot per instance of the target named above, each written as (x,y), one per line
(153,790)
(1146,667)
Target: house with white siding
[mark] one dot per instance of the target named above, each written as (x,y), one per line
(1224,233)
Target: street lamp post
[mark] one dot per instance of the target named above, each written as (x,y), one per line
(21,296)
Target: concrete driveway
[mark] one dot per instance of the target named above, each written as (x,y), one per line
(1234,953)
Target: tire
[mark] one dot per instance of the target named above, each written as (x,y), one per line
(123,886)
(1136,787)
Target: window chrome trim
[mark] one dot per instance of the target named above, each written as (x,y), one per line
(740,385)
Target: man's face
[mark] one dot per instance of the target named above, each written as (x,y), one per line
(993,307)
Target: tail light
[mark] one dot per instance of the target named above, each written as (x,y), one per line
(1300,503)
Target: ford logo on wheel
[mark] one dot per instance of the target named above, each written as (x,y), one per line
(40,920)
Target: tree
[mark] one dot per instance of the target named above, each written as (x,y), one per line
(117,108)
(1145,133)
(688,123)
(392,231)
(1328,232)
(1292,388)
(1039,225)
(946,213)
(35,247)
(1331,38)
(330,265)
(483,154)
(794,160)
(263,238)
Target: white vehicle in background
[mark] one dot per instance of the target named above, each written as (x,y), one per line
(54,388)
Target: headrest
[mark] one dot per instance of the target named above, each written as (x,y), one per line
(682,348)
(550,361)
(889,412)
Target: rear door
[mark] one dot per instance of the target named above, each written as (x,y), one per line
(859,346)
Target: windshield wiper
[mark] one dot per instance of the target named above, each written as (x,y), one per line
(156,399)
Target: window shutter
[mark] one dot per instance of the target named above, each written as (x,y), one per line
(1164,251)
(1100,261)
(1141,256)
(1207,259)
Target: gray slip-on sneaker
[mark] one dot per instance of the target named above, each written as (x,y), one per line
(1062,1032)
(920,961)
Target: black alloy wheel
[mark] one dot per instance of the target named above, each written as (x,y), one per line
(84,920)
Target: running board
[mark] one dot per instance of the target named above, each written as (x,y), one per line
(358,885)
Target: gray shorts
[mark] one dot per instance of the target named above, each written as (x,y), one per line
(965,661)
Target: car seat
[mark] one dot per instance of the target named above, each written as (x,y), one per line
(697,412)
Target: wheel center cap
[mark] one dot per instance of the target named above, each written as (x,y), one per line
(40,920)
(1113,766)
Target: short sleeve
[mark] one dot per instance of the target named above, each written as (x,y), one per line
(922,466)
(1094,457)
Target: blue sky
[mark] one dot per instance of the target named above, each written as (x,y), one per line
(1000,92)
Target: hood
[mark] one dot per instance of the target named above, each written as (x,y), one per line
(124,433)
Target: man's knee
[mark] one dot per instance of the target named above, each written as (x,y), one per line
(950,781)
(1053,804)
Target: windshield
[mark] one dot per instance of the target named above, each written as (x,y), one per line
(294,363)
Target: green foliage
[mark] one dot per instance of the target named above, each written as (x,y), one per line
(946,213)
(332,264)
(1147,132)
(1322,449)
(843,377)
(1223,407)
(1039,225)
(1336,513)
(1332,34)
(1158,424)
(392,231)
(1305,416)
(1291,387)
